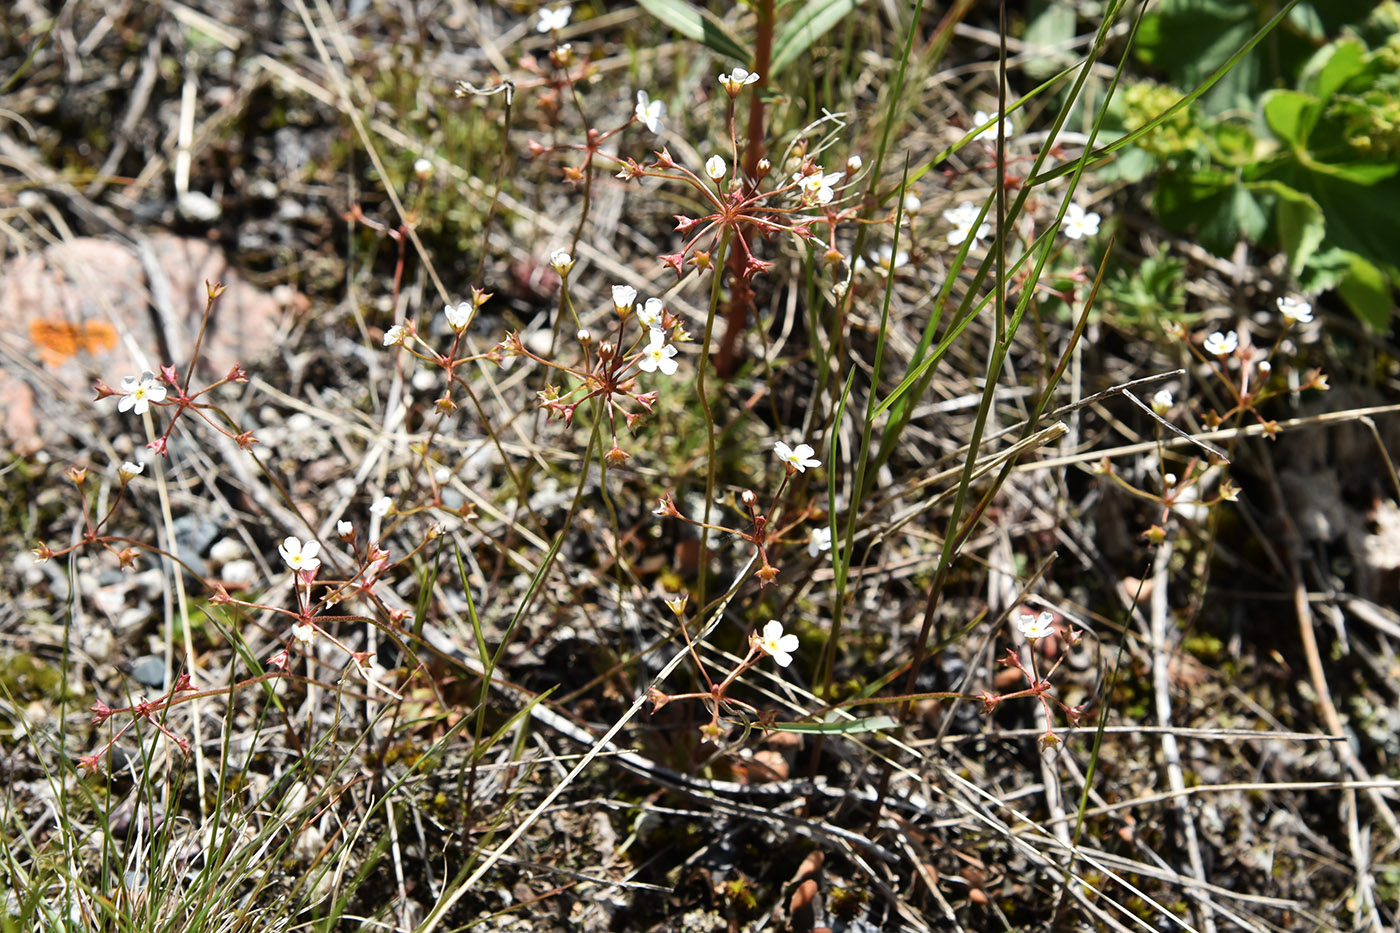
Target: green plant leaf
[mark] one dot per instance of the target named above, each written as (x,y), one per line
(844,727)
(1358,173)
(1291,115)
(1300,225)
(700,25)
(1335,65)
(805,28)
(1365,290)
(1215,203)
(1049,34)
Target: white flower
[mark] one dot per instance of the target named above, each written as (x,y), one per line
(982,116)
(460,316)
(1079,224)
(442,476)
(1295,309)
(304,632)
(554,18)
(382,506)
(737,79)
(395,336)
(715,167)
(301,558)
(422,168)
(819,541)
(344,529)
(797,458)
(1034,627)
(584,335)
(886,258)
(138,394)
(1162,401)
(128,470)
(561,261)
(853,164)
(1222,343)
(773,642)
(650,315)
(816,187)
(623,297)
(658,355)
(912,204)
(962,218)
(650,111)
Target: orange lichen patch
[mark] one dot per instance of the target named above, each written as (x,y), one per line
(59,340)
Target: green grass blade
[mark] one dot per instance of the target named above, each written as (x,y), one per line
(809,25)
(700,25)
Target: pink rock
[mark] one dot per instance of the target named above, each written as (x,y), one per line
(82,310)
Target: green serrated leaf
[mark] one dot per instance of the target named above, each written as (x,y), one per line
(806,27)
(700,25)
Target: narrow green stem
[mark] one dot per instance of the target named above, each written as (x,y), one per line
(701,368)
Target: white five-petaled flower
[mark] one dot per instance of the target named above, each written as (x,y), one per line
(816,187)
(138,394)
(344,529)
(128,470)
(460,315)
(819,541)
(623,296)
(650,314)
(797,458)
(301,558)
(561,261)
(304,632)
(1162,401)
(962,218)
(1078,223)
(737,79)
(382,506)
(552,18)
(1222,343)
(853,164)
(395,336)
(1037,626)
(983,116)
(658,355)
(650,111)
(774,643)
(715,167)
(1295,309)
